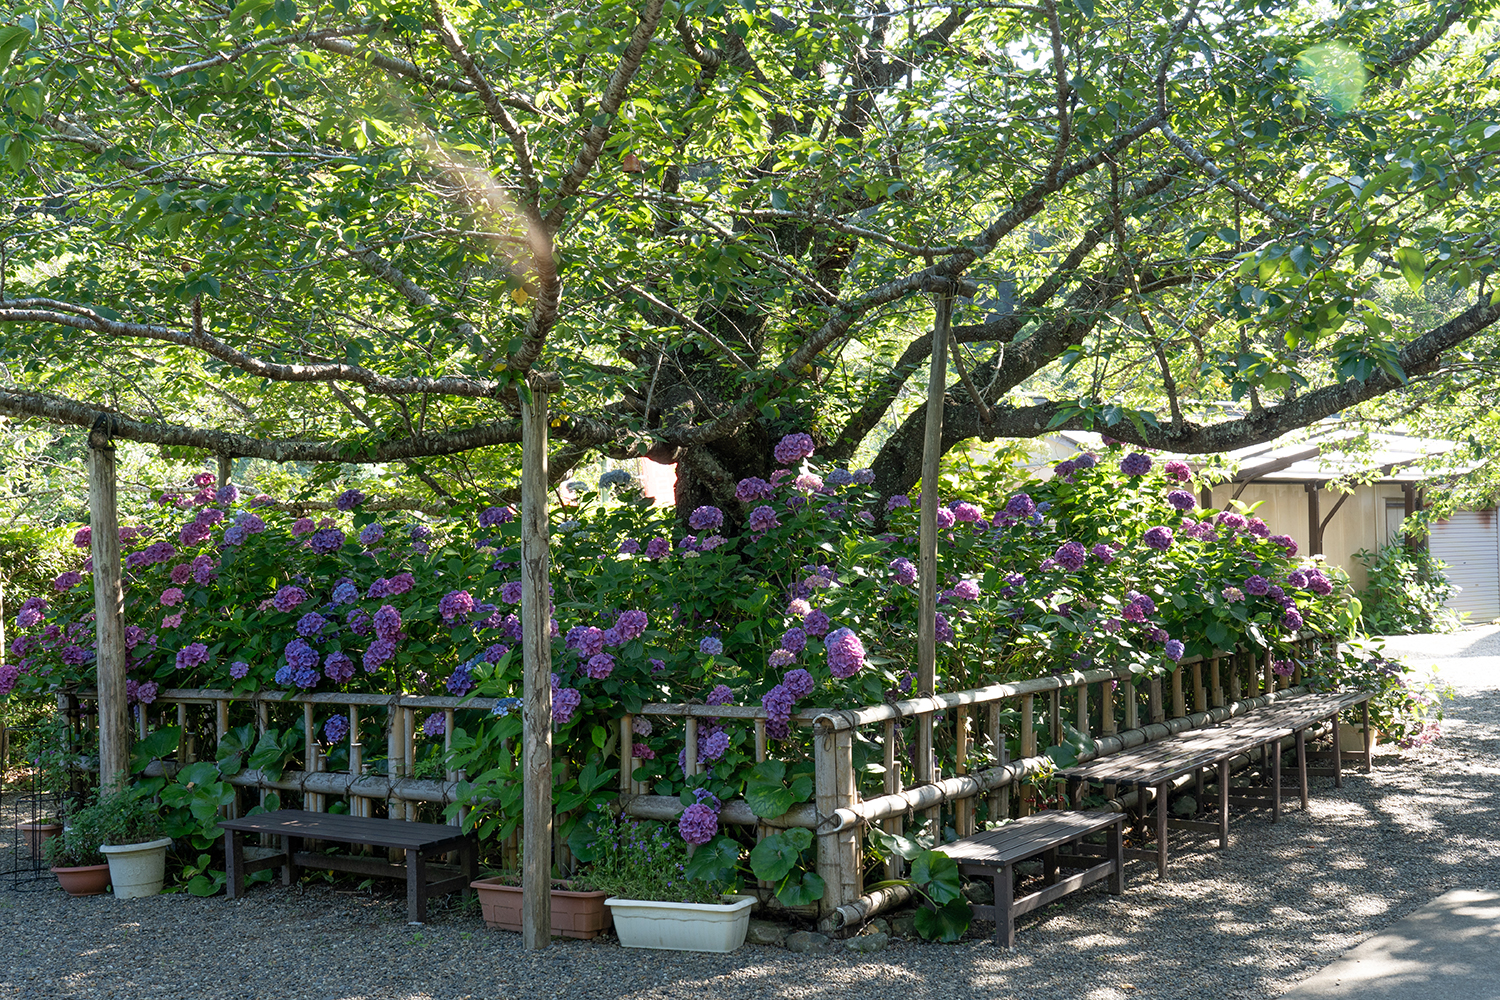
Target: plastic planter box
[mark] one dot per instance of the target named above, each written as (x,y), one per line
(718,927)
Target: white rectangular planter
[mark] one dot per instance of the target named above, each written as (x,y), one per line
(643,923)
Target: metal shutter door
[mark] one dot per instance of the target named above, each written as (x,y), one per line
(1470,545)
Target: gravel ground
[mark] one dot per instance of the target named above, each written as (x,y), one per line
(1285,900)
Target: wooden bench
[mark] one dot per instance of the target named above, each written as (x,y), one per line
(420,841)
(996,852)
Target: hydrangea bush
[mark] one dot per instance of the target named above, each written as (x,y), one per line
(800,593)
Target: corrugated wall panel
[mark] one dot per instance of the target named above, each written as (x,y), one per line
(1469,543)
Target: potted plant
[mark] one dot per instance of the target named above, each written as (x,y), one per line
(76,859)
(578,909)
(132,842)
(655,904)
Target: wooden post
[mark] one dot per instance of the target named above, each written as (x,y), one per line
(1028,747)
(892,785)
(109,614)
(314,801)
(536,645)
(1107,707)
(1314,520)
(1215,682)
(963,809)
(1132,704)
(851,872)
(690,748)
(1179,703)
(999,801)
(627,754)
(825,791)
(1153,701)
(358,806)
(932,451)
(1083,710)
(1200,696)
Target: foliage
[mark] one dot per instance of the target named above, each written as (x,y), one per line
(1178,206)
(637,860)
(934,877)
(1407,707)
(1406,592)
(120,816)
(50,750)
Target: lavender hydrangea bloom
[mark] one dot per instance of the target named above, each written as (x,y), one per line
(711,646)
(629,547)
(194,533)
(67,581)
(794,640)
(1257,585)
(359,622)
(1258,528)
(371,534)
(379,653)
(1287,543)
(283,674)
(793,448)
(839,478)
(311,625)
(896,502)
(1297,578)
(435,724)
(239,669)
(658,548)
(903,571)
(846,654)
(763,519)
(1103,553)
(194,655)
(335,729)
(208,517)
(493,517)
(83,537)
(781,658)
(387,623)
(966,513)
(1158,538)
(706,518)
(1181,499)
(599,666)
(1135,464)
(1174,649)
(966,590)
(349,499)
(720,695)
(632,624)
(338,667)
(326,541)
(1229,519)
(1233,594)
(1085,460)
(942,629)
(1292,619)
(816,623)
(236,534)
(1319,584)
(345,592)
(778,703)
(798,683)
(288,598)
(1020,506)
(565,702)
(1071,556)
(752,489)
(1178,471)
(698,824)
(945,518)
(299,654)
(455,603)
(712,746)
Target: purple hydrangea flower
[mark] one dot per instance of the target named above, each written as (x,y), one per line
(706,518)
(1181,499)
(794,640)
(1158,538)
(904,571)
(379,653)
(778,703)
(510,592)
(1135,464)
(1258,528)
(83,537)
(793,448)
(1174,649)
(371,534)
(236,534)
(194,533)
(816,623)
(1319,584)
(194,655)
(629,547)
(338,667)
(966,590)
(1292,619)
(720,695)
(752,489)
(1103,553)
(631,624)
(387,623)
(311,625)
(781,658)
(896,502)
(209,516)
(599,666)
(763,519)
(711,646)
(493,517)
(1233,594)
(967,513)
(1020,506)
(712,746)
(565,702)
(299,654)
(945,518)
(335,729)
(846,654)
(326,541)
(1287,542)
(698,824)
(658,548)
(1257,585)
(798,683)
(435,724)
(1229,519)
(1071,556)
(239,669)
(455,603)
(1178,471)
(345,592)
(288,598)
(349,499)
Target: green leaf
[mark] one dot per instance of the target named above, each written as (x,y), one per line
(947,923)
(12,39)
(1413,266)
(779,853)
(714,861)
(895,843)
(156,745)
(795,891)
(268,755)
(765,792)
(937,875)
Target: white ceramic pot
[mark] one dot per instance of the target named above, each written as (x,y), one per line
(137,869)
(644,923)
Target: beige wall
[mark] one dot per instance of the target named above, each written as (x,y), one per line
(1359,524)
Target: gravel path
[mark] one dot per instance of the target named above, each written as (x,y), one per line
(1284,901)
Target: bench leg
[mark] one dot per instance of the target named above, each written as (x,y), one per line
(1005,897)
(1275,751)
(291,845)
(1338,755)
(1364,715)
(416,886)
(1049,866)
(1161,828)
(234,864)
(1302,766)
(469,858)
(1115,848)
(1223,805)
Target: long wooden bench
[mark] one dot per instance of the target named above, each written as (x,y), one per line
(420,842)
(995,853)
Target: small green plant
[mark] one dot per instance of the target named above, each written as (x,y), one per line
(1405,591)
(1408,705)
(934,877)
(124,816)
(645,860)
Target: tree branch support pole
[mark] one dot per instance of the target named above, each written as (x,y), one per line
(109,613)
(536,646)
(932,453)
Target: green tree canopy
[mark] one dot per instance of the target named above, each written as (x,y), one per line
(350,230)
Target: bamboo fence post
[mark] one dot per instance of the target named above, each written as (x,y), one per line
(1083,710)
(1028,748)
(892,785)
(963,809)
(1107,706)
(358,805)
(182,733)
(1153,700)
(1215,682)
(1054,717)
(999,801)
(1234,676)
(1132,705)
(109,612)
(1179,703)
(536,641)
(409,753)
(1200,696)
(1269,674)
(221,717)
(627,755)
(825,791)
(312,802)
(448,772)
(690,750)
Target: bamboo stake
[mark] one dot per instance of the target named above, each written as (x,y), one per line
(963,810)
(690,755)
(1028,748)
(627,754)
(182,733)
(825,790)
(999,802)
(409,753)
(850,870)
(109,613)
(892,785)
(1179,703)
(1200,695)
(358,804)
(1083,710)
(536,642)
(221,717)
(1153,700)
(1132,704)
(1269,673)
(1215,682)
(1107,707)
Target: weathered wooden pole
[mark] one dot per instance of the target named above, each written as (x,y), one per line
(536,650)
(927,582)
(109,613)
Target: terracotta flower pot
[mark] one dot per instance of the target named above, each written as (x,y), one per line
(574,914)
(89,880)
(36,836)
